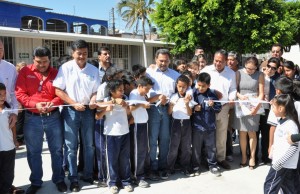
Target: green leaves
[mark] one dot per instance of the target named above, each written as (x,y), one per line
(242,25)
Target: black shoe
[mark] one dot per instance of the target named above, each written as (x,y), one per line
(224,164)
(32,189)
(102,184)
(89,180)
(154,176)
(61,186)
(164,175)
(74,187)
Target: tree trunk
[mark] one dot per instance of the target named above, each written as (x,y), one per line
(144,43)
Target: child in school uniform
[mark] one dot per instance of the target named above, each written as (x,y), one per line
(116,130)
(180,142)
(7,145)
(139,138)
(204,124)
(283,172)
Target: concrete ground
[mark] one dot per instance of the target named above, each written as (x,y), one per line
(235,181)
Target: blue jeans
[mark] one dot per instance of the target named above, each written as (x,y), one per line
(34,128)
(73,122)
(159,134)
(100,146)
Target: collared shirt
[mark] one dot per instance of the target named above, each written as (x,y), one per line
(164,82)
(102,71)
(28,84)
(78,83)
(224,82)
(179,109)
(140,114)
(8,76)
(6,135)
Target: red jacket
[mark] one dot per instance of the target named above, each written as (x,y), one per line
(27,88)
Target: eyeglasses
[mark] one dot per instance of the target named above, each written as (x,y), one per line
(273,68)
(40,86)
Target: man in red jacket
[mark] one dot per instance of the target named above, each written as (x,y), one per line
(34,90)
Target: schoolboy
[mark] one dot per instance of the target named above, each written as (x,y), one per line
(140,130)
(204,124)
(180,142)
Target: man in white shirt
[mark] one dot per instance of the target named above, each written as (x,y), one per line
(164,80)
(76,84)
(223,79)
(8,76)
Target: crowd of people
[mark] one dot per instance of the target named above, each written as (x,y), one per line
(147,123)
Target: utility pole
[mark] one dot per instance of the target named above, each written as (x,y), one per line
(112,24)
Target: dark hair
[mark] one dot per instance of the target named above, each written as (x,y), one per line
(274,60)
(102,48)
(144,81)
(252,60)
(3,87)
(187,73)
(290,111)
(287,86)
(184,79)
(233,54)
(204,77)
(289,65)
(110,73)
(79,44)
(113,85)
(162,52)
(179,62)
(128,79)
(138,70)
(296,90)
(278,45)
(63,59)
(199,47)
(222,52)
(201,56)
(93,62)
(42,51)
(193,63)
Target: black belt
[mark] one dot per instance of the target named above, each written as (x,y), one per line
(43,114)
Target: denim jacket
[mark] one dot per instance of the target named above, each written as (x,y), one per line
(205,119)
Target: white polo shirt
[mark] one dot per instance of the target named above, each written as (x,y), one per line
(116,122)
(6,135)
(78,83)
(179,109)
(224,82)
(102,92)
(8,76)
(140,114)
(281,145)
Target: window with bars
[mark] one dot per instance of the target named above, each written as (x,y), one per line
(8,43)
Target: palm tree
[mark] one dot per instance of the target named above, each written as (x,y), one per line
(134,11)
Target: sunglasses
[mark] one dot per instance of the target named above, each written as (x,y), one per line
(273,68)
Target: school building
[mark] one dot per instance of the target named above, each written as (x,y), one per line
(24,27)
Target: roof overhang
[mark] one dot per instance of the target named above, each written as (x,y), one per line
(26,33)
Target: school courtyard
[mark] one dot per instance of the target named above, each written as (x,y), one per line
(235,181)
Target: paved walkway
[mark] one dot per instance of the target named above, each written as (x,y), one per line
(235,181)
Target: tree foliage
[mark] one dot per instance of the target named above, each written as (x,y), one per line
(243,25)
(134,12)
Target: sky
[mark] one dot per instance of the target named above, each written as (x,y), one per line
(96,9)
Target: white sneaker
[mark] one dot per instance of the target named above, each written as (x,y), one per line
(114,189)
(128,188)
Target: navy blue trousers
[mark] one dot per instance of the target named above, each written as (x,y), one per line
(285,179)
(100,145)
(118,159)
(7,169)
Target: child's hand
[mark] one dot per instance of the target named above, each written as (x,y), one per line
(289,139)
(187,98)
(109,108)
(147,105)
(197,108)
(210,103)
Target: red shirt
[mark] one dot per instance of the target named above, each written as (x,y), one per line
(27,88)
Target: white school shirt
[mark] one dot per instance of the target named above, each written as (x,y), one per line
(78,83)
(140,114)
(102,92)
(116,122)
(164,82)
(281,145)
(6,135)
(224,82)
(8,76)
(179,109)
